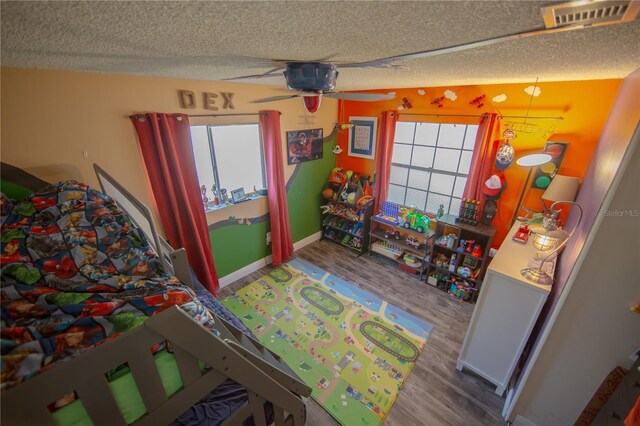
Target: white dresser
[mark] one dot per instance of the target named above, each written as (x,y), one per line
(505,313)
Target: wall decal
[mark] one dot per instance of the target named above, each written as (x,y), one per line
(438,101)
(450,94)
(421,92)
(478,101)
(499,98)
(406,103)
(187,99)
(546,172)
(533,91)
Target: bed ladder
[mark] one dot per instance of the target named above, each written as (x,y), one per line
(262,357)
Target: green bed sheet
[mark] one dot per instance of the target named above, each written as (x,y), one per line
(124,389)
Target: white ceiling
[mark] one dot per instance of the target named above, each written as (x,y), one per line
(219,39)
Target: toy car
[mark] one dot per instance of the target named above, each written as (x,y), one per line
(413,241)
(416,220)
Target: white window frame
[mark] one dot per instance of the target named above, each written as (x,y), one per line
(214,162)
(431,169)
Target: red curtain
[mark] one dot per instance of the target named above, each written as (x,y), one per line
(384,151)
(281,243)
(484,155)
(165,140)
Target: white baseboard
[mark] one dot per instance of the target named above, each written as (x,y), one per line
(261,263)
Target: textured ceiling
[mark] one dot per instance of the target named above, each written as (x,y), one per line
(216,40)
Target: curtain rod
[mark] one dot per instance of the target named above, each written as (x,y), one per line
(483,115)
(224,115)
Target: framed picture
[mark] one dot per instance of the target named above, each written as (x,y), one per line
(237,195)
(304,145)
(362,137)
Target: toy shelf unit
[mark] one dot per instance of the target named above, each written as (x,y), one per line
(346,224)
(346,209)
(459,257)
(403,235)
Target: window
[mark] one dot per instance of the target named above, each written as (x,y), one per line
(229,157)
(430,165)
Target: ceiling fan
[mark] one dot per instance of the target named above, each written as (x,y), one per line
(314,79)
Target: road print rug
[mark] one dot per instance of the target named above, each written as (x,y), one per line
(353,349)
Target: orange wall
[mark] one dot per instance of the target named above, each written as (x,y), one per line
(584,106)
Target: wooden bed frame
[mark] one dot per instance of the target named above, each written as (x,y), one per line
(233,355)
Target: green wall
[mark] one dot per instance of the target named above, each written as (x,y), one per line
(236,246)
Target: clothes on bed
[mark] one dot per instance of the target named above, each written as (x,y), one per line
(75,273)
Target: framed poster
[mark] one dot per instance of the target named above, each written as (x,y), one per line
(362,137)
(304,145)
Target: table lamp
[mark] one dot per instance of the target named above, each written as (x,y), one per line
(547,236)
(562,188)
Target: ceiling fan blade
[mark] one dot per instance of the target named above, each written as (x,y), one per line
(267,74)
(274,98)
(388,62)
(368,97)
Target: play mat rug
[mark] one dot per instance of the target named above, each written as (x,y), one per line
(353,349)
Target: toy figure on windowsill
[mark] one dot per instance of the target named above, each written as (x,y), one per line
(216,200)
(205,199)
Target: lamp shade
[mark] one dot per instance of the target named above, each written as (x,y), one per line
(562,188)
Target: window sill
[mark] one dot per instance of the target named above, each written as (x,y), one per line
(213,208)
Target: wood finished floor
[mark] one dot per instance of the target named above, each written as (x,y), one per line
(435,392)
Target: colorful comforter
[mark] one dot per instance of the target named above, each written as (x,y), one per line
(75,273)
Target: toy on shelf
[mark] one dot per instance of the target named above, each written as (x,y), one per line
(464,271)
(461,247)
(461,290)
(412,260)
(391,233)
(416,220)
(413,242)
(477,250)
(387,248)
(469,211)
(389,213)
(441,261)
(470,244)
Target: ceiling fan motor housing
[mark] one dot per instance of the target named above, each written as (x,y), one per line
(311,76)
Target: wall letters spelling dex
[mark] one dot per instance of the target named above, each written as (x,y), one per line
(188,100)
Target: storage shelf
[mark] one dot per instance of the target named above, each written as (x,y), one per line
(343,217)
(419,252)
(426,234)
(342,230)
(455,274)
(464,253)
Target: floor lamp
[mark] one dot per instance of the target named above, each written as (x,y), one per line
(531,161)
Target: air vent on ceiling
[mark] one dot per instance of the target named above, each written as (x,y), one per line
(594,13)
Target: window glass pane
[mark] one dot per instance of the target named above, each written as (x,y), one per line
(465,162)
(441,183)
(458,188)
(202,155)
(427,134)
(401,154)
(237,149)
(455,206)
(416,198)
(434,201)
(451,135)
(404,132)
(398,175)
(446,159)
(419,179)
(422,156)
(396,194)
(470,137)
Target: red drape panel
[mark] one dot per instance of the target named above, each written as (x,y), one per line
(384,151)
(484,155)
(165,140)
(281,242)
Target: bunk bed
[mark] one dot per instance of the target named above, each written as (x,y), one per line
(97,329)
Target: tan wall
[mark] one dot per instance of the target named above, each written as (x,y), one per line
(50,117)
